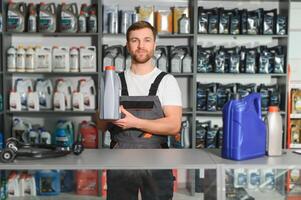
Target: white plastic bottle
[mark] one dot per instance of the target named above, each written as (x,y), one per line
(110,91)
(11,59)
(33,101)
(74,60)
(274,132)
(20,63)
(29,59)
(78,101)
(15,101)
(59,101)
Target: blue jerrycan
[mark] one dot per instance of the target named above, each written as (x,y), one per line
(244,132)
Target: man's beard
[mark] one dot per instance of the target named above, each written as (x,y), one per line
(141,60)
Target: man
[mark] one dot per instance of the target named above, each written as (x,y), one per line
(152,110)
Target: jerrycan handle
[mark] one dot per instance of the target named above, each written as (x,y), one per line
(74,7)
(254,99)
(52,7)
(22,7)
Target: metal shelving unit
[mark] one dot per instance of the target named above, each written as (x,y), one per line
(192,39)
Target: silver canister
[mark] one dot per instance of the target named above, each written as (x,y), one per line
(135,17)
(113,24)
(125,21)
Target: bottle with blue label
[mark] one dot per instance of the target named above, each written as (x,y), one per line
(48,182)
(64,134)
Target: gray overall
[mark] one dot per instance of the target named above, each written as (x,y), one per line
(153,184)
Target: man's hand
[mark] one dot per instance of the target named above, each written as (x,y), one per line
(129,120)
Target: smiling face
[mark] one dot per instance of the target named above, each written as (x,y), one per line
(141,45)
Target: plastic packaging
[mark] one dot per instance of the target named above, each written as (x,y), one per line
(20,62)
(68,21)
(23,87)
(48,182)
(43,59)
(59,101)
(66,88)
(45,136)
(64,134)
(92,22)
(33,101)
(74,60)
(21,129)
(32,18)
(87,182)
(82,22)
(47,17)
(110,87)
(244,132)
(30,60)
(87,59)
(33,136)
(274,132)
(15,101)
(45,92)
(60,59)
(87,88)
(89,133)
(78,101)
(164,21)
(16,17)
(11,59)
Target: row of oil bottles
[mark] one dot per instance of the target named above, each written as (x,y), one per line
(51,59)
(174,59)
(174,20)
(64,97)
(50,183)
(49,17)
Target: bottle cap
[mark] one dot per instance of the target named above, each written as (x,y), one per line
(110,68)
(273,109)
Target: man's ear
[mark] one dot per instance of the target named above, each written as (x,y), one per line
(127,46)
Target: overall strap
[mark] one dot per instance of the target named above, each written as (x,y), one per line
(154,87)
(124,88)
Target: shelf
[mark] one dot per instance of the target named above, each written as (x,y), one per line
(175,35)
(187,111)
(182,74)
(295,116)
(51,34)
(242,74)
(160,35)
(120,159)
(52,112)
(243,36)
(54,73)
(295,146)
(219,113)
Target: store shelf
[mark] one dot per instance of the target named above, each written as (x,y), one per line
(288,160)
(54,73)
(51,34)
(159,35)
(295,146)
(120,159)
(242,74)
(243,36)
(187,111)
(52,112)
(182,74)
(219,113)
(295,116)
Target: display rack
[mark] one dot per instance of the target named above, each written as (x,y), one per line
(193,40)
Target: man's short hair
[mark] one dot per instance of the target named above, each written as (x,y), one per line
(140,25)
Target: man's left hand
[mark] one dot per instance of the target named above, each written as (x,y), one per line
(129,120)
